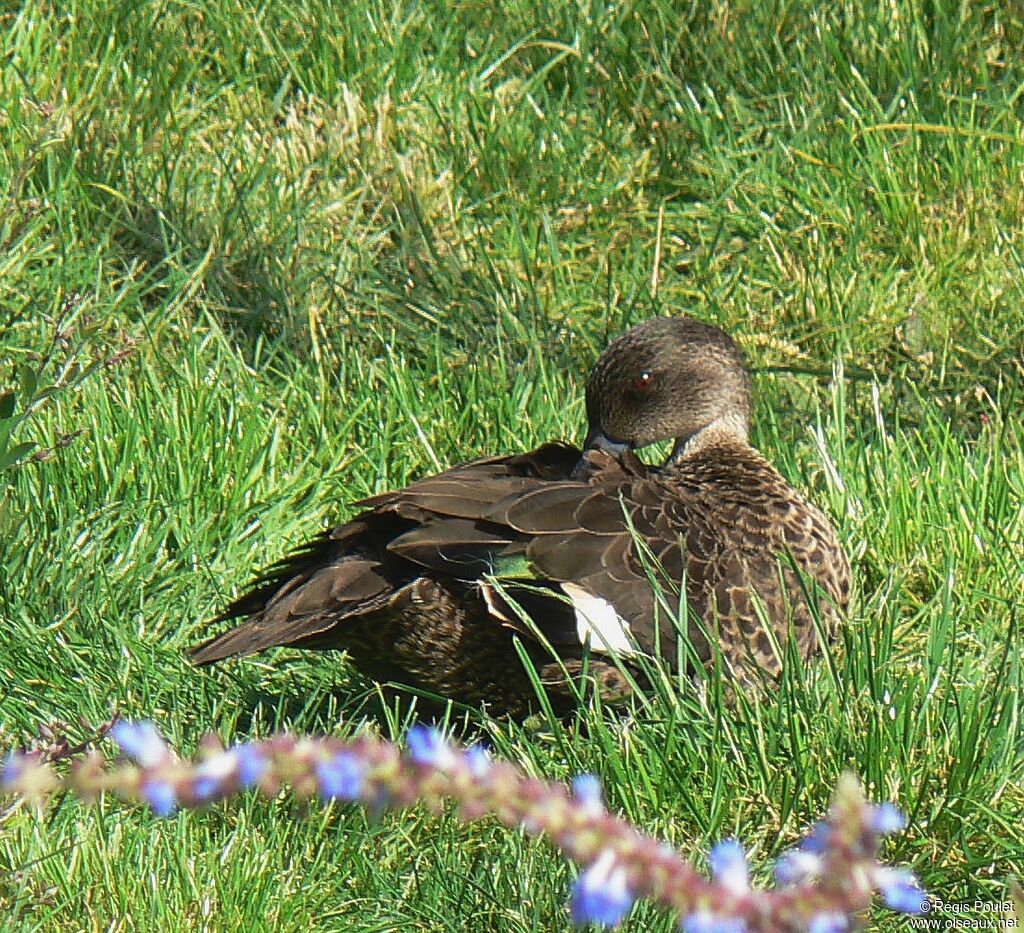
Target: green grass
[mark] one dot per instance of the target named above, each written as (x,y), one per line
(281,256)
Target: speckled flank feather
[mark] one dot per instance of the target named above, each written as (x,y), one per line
(408,586)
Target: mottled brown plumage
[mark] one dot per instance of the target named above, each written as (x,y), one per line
(429,585)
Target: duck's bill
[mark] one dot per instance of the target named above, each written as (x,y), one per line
(598,440)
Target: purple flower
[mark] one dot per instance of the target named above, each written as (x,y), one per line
(252,764)
(886,818)
(160,796)
(428,747)
(729,866)
(601,894)
(342,776)
(828,922)
(703,921)
(586,788)
(141,741)
(900,890)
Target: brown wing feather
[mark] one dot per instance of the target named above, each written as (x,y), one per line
(456,546)
(305,606)
(352,569)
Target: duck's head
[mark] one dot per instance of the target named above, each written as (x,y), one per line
(667,379)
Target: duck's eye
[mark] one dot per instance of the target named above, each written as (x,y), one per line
(644,382)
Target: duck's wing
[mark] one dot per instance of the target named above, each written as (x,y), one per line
(603,540)
(352,569)
(561,551)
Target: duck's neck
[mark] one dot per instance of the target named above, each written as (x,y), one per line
(731,429)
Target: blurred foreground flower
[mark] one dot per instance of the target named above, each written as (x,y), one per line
(825,885)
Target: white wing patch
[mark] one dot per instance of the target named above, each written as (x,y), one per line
(597,622)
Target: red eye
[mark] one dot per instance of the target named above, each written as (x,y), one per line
(644,382)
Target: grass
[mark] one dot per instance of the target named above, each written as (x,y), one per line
(280,256)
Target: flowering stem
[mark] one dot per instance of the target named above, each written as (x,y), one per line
(827,884)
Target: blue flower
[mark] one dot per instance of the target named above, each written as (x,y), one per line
(586,788)
(252,764)
(828,922)
(141,741)
(479,761)
(729,866)
(818,839)
(160,796)
(886,818)
(601,894)
(796,866)
(342,776)
(427,747)
(900,890)
(205,788)
(703,921)
(212,774)
(14,765)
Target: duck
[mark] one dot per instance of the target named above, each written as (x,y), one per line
(565,566)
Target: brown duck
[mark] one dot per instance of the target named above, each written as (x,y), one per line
(431,585)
